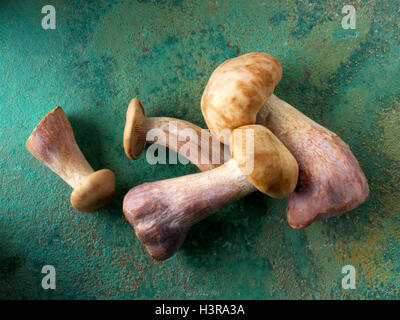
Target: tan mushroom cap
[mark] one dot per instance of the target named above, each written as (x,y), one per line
(237,90)
(95,192)
(134,139)
(264,160)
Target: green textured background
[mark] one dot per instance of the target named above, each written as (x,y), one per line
(102,54)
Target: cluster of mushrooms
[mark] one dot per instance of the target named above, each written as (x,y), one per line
(292,156)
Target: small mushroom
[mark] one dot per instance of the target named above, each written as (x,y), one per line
(174,134)
(163,211)
(239,92)
(52,142)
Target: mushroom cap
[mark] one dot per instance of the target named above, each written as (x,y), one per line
(237,90)
(264,160)
(134,133)
(95,192)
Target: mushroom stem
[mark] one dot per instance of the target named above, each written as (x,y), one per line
(52,142)
(183,137)
(163,211)
(331,181)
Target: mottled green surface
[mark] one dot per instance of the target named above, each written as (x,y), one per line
(103,54)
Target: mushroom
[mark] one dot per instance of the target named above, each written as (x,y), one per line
(178,135)
(163,211)
(52,142)
(239,92)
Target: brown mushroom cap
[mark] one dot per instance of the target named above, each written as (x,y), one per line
(273,169)
(95,192)
(237,90)
(134,139)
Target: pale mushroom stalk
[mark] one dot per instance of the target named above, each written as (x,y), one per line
(239,92)
(176,134)
(331,181)
(163,211)
(52,142)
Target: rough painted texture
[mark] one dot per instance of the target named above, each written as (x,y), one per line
(104,53)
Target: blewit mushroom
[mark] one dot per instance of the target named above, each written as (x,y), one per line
(239,92)
(183,137)
(162,212)
(52,142)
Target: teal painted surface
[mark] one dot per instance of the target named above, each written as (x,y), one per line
(103,54)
